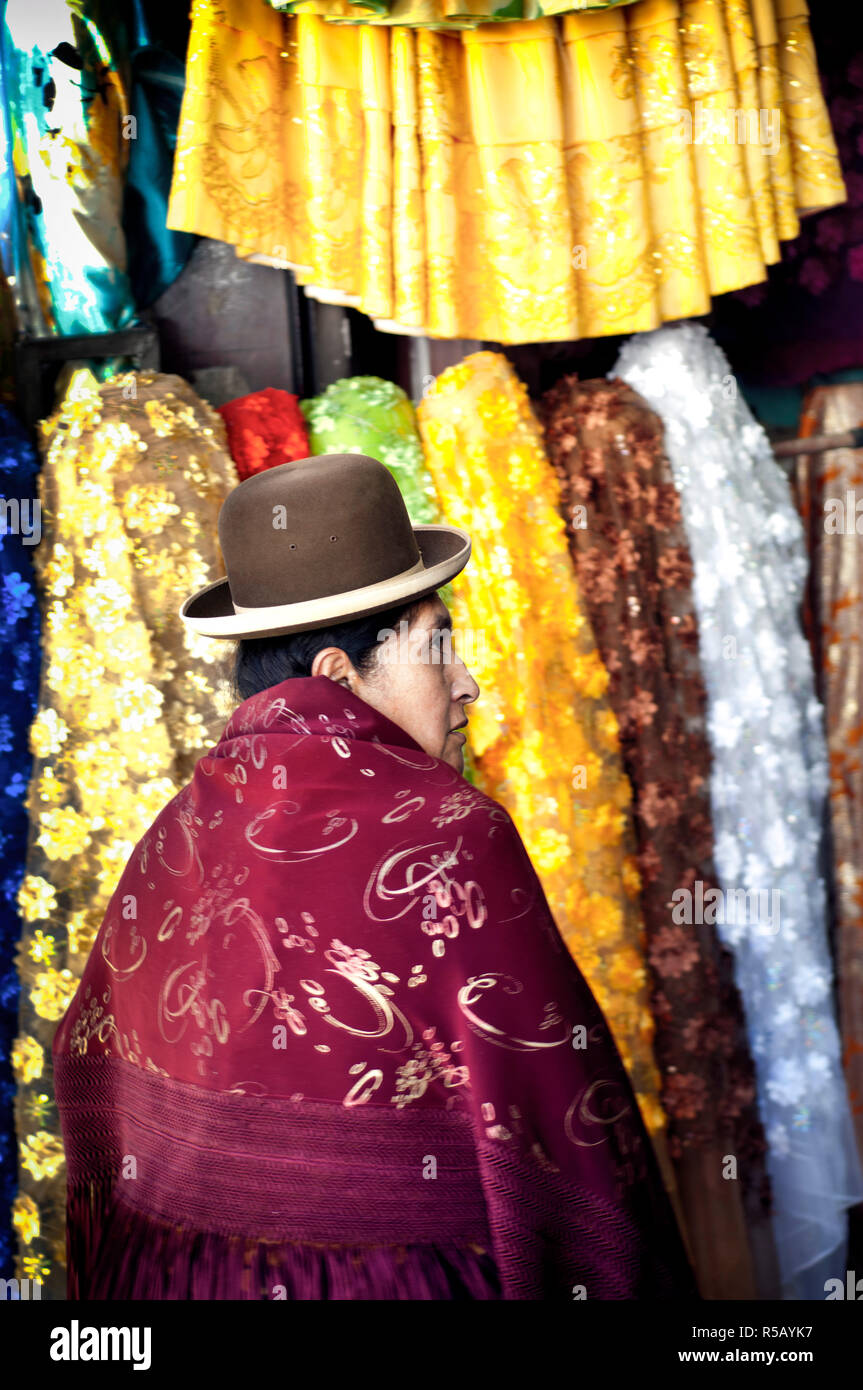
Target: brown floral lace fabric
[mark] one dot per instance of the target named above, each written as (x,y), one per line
(634,570)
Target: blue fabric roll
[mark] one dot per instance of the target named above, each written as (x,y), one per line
(20,663)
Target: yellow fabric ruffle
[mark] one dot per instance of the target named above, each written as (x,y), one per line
(543,734)
(437,14)
(548,179)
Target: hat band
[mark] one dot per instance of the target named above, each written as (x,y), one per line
(315,608)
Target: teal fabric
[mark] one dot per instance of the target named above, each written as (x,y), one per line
(56,63)
(156,253)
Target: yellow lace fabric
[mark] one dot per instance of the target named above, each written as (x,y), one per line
(539,180)
(543,734)
(134,473)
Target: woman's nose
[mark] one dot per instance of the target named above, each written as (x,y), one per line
(467,688)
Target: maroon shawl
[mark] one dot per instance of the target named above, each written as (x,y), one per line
(329,1044)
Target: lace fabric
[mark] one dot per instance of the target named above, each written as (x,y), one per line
(367,415)
(635,575)
(767,785)
(543,735)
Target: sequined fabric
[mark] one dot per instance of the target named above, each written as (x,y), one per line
(516,182)
(134,472)
(544,737)
(767,785)
(829,491)
(20,529)
(635,576)
(264,430)
(366,415)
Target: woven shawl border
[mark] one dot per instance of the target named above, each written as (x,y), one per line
(267,1168)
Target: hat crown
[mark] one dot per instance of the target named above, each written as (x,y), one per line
(314,528)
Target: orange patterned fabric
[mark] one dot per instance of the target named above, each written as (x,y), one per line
(829,486)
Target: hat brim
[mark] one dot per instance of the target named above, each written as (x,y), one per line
(444,552)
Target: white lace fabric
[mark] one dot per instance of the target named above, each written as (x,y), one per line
(768,784)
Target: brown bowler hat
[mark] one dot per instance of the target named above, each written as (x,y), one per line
(319,541)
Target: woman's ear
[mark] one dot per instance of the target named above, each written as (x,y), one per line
(333,663)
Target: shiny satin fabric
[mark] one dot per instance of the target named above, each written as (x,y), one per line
(542,180)
(67,98)
(829,486)
(133,474)
(410,989)
(156,254)
(544,737)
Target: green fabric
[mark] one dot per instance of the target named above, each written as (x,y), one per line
(367,415)
(381,12)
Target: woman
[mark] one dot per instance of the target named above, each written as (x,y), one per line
(329,1043)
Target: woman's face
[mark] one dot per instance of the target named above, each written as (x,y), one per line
(418,681)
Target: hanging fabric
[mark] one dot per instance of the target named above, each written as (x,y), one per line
(156,254)
(543,180)
(264,429)
(67,116)
(829,489)
(634,572)
(436,14)
(767,786)
(134,472)
(544,738)
(20,532)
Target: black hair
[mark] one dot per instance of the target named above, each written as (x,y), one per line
(261,662)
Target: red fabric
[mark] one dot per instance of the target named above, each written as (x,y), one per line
(328,922)
(264,429)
